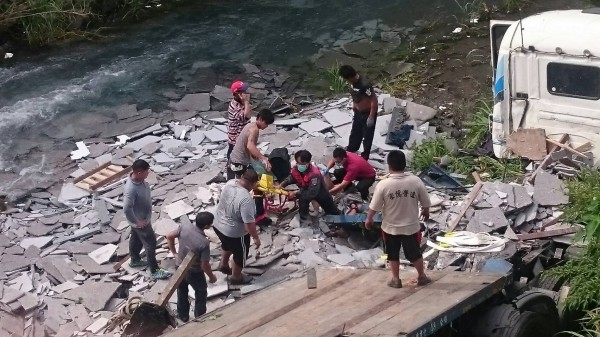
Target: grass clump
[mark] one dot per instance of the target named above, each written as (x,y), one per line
(583,276)
(426,154)
(479,125)
(584,202)
(336,83)
(406,83)
(43,21)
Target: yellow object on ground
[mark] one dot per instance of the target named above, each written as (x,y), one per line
(266,184)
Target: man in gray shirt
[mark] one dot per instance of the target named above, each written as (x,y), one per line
(137,205)
(235,224)
(193,239)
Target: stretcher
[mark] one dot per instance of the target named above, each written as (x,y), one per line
(275,198)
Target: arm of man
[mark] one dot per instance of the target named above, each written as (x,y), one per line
(252,148)
(330,164)
(204,258)
(348,179)
(248,211)
(247,109)
(375,206)
(374,105)
(424,200)
(128,202)
(311,192)
(287,181)
(171,240)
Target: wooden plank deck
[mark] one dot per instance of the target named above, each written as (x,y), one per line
(356,301)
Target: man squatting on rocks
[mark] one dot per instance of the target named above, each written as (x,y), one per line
(137,205)
(398,198)
(193,239)
(235,224)
(348,168)
(311,186)
(365,106)
(245,152)
(238,116)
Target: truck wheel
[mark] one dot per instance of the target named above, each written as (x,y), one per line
(506,321)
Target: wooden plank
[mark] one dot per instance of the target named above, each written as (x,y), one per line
(111,178)
(409,315)
(553,221)
(548,160)
(92,172)
(176,279)
(566,147)
(465,206)
(547,234)
(266,305)
(374,296)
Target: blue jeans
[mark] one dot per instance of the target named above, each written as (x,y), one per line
(198,282)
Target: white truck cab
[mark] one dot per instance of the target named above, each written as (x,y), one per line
(547,75)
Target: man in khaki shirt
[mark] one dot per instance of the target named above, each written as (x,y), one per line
(398,198)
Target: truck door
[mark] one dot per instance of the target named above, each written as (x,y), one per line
(497,30)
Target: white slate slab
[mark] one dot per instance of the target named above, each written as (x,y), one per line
(164,226)
(168,144)
(215,135)
(40,242)
(335,117)
(71,192)
(103,254)
(68,285)
(140,143)
(81,152)
(98,325)
(163,158)
(177,209)
(341,259)
(290,121)
(197,137)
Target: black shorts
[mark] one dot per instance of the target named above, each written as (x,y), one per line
(410,244)
(239,247)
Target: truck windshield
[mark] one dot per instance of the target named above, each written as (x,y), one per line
(574,80)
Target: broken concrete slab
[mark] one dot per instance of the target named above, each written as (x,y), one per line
(336,117)
(487,220)
(104,238)
(39,229)
(164,226)
(103,254)
(93,295)
(314,125)
(70,192)
(215,135)
(528,143)
(151,148)
(65,286)
(140,143)
(99,325)
(189,167)
(91,267)
(40,242)
(178,209)
(549,190)
(341,259)
(193,102)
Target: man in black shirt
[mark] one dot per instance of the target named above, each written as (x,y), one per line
(365,107)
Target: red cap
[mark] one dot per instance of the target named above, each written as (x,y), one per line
(238,86)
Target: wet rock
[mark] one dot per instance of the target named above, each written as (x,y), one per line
(392,37)
(126,111)
(193,102)
(251,68)
(360,49)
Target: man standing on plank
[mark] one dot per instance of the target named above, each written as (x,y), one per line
(235,224)
(193,239)
(137,205)
(365,108)
(238,116)
(398,198)
(351,167)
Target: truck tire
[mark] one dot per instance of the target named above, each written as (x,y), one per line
(548,283)
(506,321)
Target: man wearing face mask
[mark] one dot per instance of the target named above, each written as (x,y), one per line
(350,167)
(311,186)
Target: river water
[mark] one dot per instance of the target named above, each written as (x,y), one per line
(135,64)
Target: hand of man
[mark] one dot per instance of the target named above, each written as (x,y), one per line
(141,223)
(212,278)
(368,224)
(257,242)
(245,97)
(292,195)
(424,214)
(370,122)
(267,163)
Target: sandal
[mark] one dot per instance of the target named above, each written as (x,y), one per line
(421,281)
(246,279)
(395,283)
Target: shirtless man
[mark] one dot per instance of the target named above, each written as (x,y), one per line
(365,107)
(245,152)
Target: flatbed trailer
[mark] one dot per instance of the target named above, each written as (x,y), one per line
(349,302)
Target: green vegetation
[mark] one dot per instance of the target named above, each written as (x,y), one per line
(512,6)
(336,83)
(426,154)
(584,202)
(479,125)
(470,7)
(408,82)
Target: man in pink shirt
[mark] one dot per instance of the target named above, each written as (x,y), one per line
(238,116)
(351,167)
